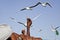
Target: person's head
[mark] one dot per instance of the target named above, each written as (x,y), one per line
(23,31)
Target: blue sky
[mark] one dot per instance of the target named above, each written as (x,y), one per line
(48,16)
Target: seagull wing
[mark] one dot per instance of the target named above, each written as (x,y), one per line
(48,4)
(23,9)
(32,6)
(52,28)
(35,5)
(21,23)
(12,18)
(57,27)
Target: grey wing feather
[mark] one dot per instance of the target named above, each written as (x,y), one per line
(57,27)
(23,9)
(52,27)
(35,5)
(48,4)
(21,23)
(12,18)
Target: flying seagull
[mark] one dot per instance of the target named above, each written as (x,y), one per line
(12,18)
(55,30)
(30,8)
(17,22)
(40,30)
(45,4)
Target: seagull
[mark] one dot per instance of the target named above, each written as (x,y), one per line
(40,30)
(5,31)
(30,8)
(17,22)
(45,4)
(12,18)
(55,30)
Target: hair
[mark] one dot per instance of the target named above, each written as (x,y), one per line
(9,38)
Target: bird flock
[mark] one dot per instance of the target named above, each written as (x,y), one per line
(44,4)
(6,31)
